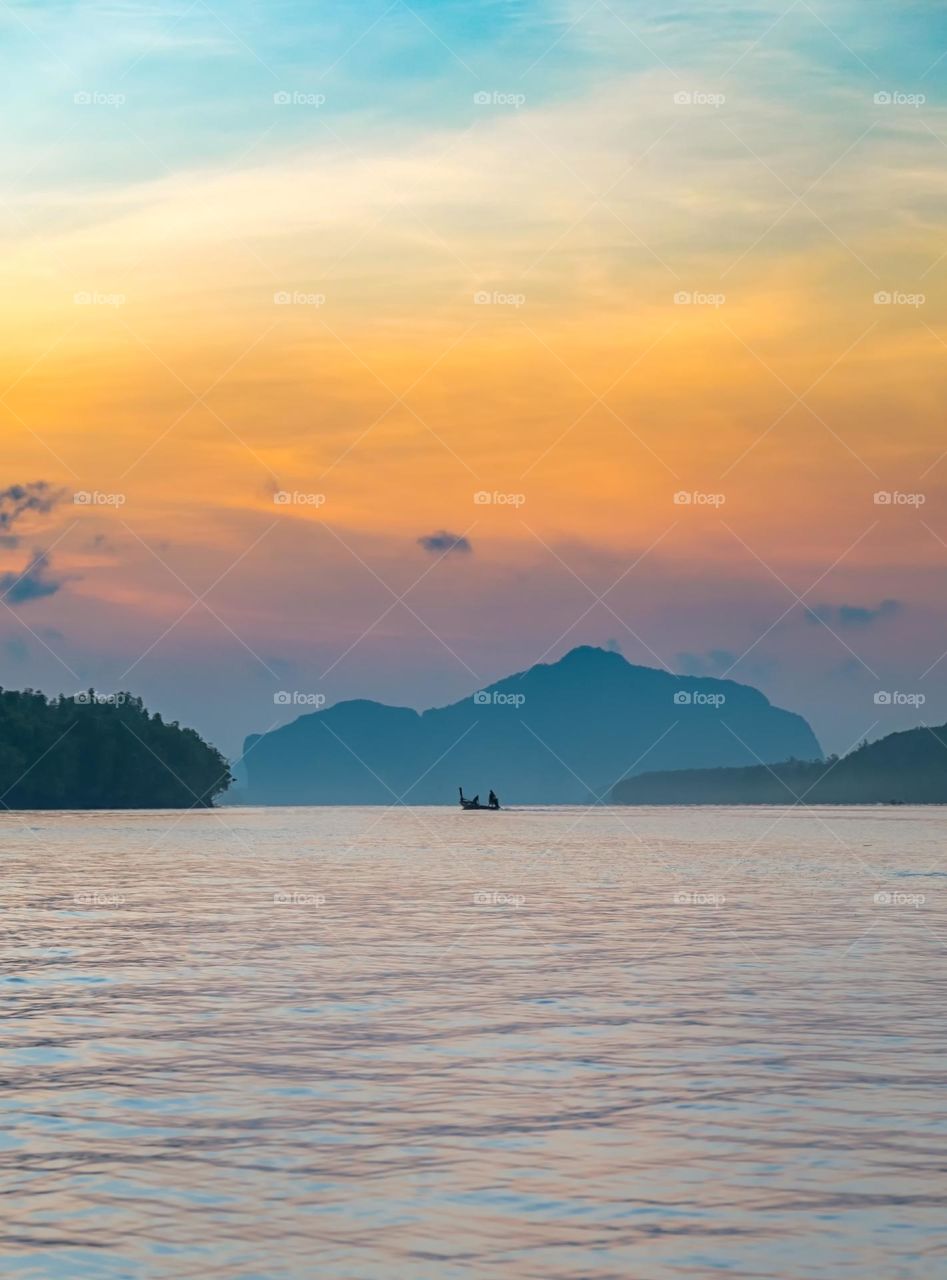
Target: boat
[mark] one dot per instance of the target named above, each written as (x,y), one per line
(474,805)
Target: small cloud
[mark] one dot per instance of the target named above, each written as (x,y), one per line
(613,646)
(847,669)
(852,615)
(18,499)
(712,663)
(444,543)
(33,583)
(14,647)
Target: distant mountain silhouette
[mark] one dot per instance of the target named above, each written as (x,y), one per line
(904,768)
(550,735)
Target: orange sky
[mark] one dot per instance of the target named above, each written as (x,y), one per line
(146,354)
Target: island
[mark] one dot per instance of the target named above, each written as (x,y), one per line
(101,751)
(909,767)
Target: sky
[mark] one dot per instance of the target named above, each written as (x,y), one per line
(381,350)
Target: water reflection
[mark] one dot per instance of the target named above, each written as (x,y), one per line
(553,1043)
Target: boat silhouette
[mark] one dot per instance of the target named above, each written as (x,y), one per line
(474,804)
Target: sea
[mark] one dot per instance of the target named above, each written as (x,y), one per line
(415,1043)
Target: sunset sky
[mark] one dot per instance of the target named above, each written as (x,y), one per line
(381,258)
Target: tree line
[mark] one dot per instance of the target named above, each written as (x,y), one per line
(94,751)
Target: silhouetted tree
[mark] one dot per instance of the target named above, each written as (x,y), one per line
(89,752)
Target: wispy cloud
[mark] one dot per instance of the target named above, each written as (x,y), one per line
(442,541)
(35,582)
(18,500)
(853,615)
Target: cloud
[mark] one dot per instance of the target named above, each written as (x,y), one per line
(15,647)
(101,543)
(847,669)
(444,543)
(712,663)
(852,615)
(19,499)
(33,583)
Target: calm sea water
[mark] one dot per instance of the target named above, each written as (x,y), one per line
(553,1044)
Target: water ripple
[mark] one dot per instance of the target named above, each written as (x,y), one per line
(557,1044)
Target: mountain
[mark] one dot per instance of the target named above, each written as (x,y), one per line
(906,768)
(551,735)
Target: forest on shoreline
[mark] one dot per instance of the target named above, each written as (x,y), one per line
(101,751)
(908,767)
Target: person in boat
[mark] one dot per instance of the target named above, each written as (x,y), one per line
(493,802)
